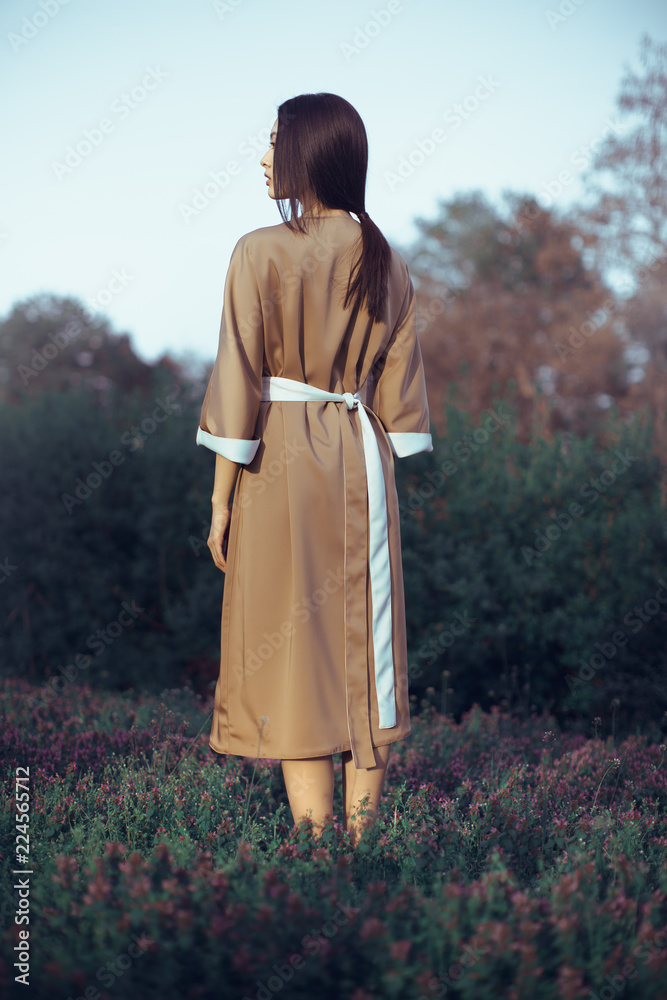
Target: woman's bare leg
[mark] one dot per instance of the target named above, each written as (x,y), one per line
(310,783)
(356,784)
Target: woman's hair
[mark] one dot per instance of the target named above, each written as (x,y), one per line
(321,151)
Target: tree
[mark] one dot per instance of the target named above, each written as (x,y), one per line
(627,183)
(507,303)
(629,215)
(48,342)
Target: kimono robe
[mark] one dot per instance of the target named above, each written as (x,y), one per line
(297,667)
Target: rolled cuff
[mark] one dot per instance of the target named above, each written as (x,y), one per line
(235,449)
(403,444)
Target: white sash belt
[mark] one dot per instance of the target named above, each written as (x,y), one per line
(278,388)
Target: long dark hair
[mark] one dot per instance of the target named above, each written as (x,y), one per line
(321,151)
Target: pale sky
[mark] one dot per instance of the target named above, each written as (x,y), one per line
(158,97)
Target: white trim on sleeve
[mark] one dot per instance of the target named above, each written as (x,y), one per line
(235,449)
(403,443)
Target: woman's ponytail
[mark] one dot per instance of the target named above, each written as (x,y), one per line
(371,269)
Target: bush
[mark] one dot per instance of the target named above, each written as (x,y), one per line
(522,559)
(508,588)
(117,552)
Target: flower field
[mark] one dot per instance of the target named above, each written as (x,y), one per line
(508,860)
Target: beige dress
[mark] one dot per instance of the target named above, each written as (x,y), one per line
(297,664)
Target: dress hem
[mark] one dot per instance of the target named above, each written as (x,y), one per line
(305,756)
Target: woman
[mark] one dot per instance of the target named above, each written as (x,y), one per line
(317,385)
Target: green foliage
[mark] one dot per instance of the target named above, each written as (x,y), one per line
(80,557)
(490,535)
(504,587)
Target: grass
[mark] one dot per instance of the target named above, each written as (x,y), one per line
(508,859)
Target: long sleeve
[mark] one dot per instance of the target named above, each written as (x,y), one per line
(231,404)
(400,387)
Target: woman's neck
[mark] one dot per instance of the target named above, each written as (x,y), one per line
(325,214)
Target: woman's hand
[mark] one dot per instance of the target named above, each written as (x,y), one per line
(218,535)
